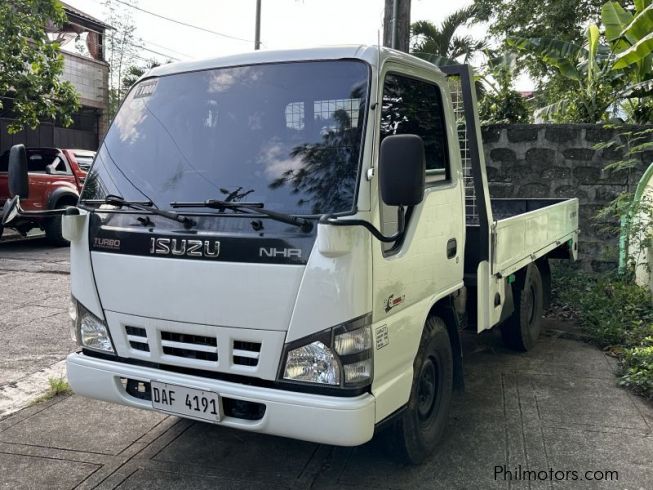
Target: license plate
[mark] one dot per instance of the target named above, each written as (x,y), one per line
(187,402)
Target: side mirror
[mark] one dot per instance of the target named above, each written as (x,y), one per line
(402,169)
(18,179)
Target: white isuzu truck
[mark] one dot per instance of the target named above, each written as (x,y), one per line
(289,242)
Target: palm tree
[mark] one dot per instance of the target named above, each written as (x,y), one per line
(440,44)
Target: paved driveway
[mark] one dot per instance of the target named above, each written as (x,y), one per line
(555,409)
(34,324)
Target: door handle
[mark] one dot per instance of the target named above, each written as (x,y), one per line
(452,248)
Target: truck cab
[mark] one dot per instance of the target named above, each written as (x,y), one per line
(290,242)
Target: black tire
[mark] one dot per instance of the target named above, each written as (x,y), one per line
(53,232)
(417,431)
(545,271)
(522,329)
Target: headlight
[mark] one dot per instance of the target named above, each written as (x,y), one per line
(340,356)
(313,363)
(90,331)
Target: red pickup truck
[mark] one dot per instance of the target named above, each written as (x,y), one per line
(56,177)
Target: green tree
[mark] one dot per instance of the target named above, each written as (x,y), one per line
(440,44)
(613,71)
(564,20)
(499,103)
(31,64)
(592,85)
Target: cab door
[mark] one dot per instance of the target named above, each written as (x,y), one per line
(409,275)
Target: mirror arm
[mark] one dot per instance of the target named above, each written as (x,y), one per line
(42,214)
(331,220)
(46,213)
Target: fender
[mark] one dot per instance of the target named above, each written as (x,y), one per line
(445,309)
(60,193)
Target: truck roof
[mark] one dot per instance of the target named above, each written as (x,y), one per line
(369,54)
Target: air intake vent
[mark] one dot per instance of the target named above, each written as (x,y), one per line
(137,337)
(246,353)
(189,346)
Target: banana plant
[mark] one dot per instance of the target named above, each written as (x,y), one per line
(587,67)
(631,38)
(631,34)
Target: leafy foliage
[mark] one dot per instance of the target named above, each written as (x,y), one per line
(630,35)
(561,19)
(618,316)
(638,368)
(612,71)
(499,103)
(588,70)
(31,64)
(623,215)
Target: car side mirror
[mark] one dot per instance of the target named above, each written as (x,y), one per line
(402,169)
(18,179)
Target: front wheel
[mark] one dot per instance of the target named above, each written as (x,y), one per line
(53,231)
(420,427)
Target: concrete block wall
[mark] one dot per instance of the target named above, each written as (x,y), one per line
(547,160)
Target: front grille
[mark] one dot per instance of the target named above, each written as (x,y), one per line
(246,353)
(137,337)
(221,349)
(189,346)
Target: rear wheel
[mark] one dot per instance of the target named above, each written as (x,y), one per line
(522,329)
(418,430)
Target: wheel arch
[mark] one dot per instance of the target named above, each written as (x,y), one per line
(445,309)
(62,195)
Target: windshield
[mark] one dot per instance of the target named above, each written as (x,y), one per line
(287,135)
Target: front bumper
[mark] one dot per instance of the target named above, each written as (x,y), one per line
(316,418)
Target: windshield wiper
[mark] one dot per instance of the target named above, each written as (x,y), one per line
(146,206)
(304,224)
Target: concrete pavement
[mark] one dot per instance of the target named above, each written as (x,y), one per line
(34,296)
(555,409)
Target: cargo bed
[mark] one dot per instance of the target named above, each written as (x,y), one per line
(523,231)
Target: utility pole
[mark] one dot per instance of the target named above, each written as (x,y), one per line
(396,24)
(257,34)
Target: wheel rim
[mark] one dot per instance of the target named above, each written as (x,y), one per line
(427,392)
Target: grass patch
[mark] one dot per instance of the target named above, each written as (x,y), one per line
(618,317)
(58,386)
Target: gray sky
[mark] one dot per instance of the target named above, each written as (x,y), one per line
(285,23)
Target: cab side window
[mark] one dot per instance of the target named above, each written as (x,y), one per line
(412,106)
